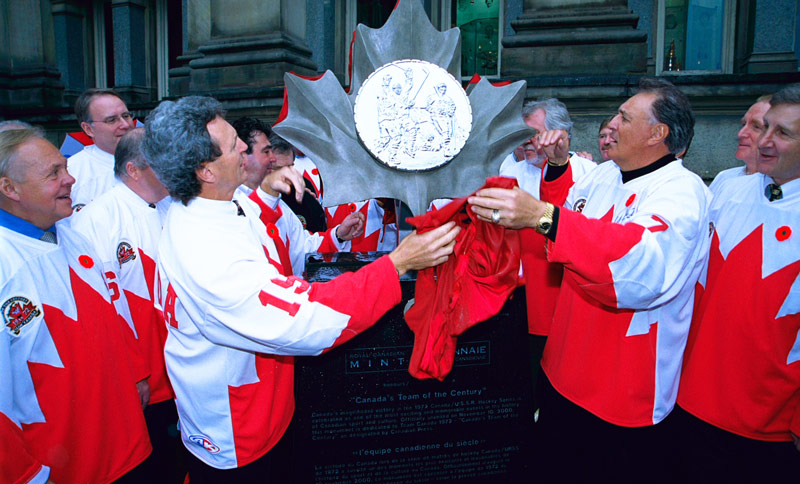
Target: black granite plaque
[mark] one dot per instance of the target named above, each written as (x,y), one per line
(361,418)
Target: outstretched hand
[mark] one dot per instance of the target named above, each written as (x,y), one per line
(419,251)
(351,227)
(283,180)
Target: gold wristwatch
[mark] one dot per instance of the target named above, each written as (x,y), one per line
(545,222)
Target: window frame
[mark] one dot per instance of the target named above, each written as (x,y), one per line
(728,41)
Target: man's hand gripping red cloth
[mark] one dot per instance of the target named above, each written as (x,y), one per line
(472,286)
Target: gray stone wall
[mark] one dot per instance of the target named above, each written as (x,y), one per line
(712,149)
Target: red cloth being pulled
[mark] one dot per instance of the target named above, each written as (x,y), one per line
(470,287)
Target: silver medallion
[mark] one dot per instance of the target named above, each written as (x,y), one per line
(412,115)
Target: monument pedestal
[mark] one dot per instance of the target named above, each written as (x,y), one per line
(361,417)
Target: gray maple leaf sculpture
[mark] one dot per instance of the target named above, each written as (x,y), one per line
(319,119)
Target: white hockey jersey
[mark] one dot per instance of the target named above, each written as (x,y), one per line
(375,228)
(93,170)
(620,325)
(124,231)
(288,234)
(742,368)
(65,389)
(725,175)
(234,322)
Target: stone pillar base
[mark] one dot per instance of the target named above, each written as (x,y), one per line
(247,62)
(569,41)
(759,63)
(31,86)
(135,94)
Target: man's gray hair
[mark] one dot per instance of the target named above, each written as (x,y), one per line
(129,149)
(788,95)
(177,143)
(10,141)
(18,124)
(556,115)
(672,108)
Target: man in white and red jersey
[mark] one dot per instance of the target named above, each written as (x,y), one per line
(747,148)
(69,409)
(105,118)
(633,237)
(285,229)
(551,162)
(124,226)
(740,386)
(234,320)
(378,228)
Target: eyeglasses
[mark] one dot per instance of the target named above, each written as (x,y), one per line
(113,120)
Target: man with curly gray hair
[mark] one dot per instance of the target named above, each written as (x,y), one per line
(234,316)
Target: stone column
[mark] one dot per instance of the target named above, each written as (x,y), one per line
(69,20)
(250,44)
(196,25)
(28,76)
(130,59)
(769,36)
(574,37)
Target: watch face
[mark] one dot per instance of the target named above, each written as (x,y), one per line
(412,115)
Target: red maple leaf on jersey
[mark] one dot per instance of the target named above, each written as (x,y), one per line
(736,291)
(151,330)
(94,427)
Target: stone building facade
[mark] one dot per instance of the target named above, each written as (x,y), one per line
(588,53)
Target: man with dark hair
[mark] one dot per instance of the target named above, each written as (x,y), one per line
(104,117)
(124,226)
(235,315)
(259,155)
(632,236)
(69,410)
(291,234)
(747,149)
(740,386)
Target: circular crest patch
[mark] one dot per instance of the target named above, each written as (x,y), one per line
(17,312)
(125,253)
(580,204)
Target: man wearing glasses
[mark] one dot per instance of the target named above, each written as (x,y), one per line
(104,117)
